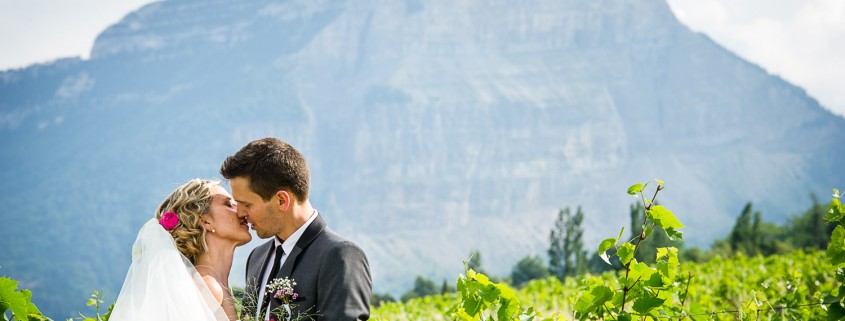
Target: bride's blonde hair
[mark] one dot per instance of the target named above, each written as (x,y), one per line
(190,201)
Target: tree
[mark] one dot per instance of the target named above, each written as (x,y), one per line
(422,287)
(378,300)
(446,288)
(566,249)
(810,230)
(527,269)
(743,237)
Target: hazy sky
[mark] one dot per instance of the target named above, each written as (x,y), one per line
(803,41)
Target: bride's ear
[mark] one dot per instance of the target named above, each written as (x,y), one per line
(206,224)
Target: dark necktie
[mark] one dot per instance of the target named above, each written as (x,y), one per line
(273,271)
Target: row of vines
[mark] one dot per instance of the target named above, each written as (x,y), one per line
(797,286)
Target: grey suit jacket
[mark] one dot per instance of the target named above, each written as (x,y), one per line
(332,276)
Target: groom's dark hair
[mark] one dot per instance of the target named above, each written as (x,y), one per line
(270,165)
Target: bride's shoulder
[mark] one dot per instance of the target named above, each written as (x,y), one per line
(215,287)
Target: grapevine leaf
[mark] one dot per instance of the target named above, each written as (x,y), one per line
(835,311)
(472,305)
(674,234)
(648,230)
(836,248)
(589,301)
(604,246)
(647,303)
(16,301)
(656,280)
(639,271)
(626,253)
(601,294)
(663,218)
(481,278)
(32,310)
(624,316)
(584,304)
(505,292)
(670,253)
(634,189)
(508,309)
(834,213)
(490,293)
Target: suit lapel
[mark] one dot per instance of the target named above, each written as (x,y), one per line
(311,233)
(257,270)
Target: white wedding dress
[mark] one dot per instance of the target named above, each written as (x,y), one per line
(162,284)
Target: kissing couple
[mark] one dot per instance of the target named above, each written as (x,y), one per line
(182,257)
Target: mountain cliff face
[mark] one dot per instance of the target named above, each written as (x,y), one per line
(431,127)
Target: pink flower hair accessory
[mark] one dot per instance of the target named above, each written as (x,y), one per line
(169,220)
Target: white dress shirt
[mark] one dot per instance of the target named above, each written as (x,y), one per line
(287,246)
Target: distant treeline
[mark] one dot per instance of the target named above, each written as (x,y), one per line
(567,256)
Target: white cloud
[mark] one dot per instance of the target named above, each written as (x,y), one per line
(803,41)
(36,31)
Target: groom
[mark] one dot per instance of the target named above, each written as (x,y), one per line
(269,181)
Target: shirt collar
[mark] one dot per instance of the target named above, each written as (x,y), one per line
(288,245)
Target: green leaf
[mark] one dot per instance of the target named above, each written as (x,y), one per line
(656,280)
(834,212)
(17,301)
(648,230)
(670,253)
(634,189)
(836,248)
(673,234)
(604,246)
(639,271)
(508,309)
(601,294)
(472,305)
(835,312)
(647,303)
(625,253)
(663,218)
(584,305)
(490,293)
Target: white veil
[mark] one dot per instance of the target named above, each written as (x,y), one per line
(162,284)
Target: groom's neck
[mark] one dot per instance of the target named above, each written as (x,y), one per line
(300,213)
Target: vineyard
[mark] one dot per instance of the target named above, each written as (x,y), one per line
(760,288)
(794,286)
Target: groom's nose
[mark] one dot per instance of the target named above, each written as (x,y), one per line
(241,212)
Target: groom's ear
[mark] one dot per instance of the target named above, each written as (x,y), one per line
(283,200)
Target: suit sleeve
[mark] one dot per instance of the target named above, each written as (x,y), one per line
(249,296)
(345,278)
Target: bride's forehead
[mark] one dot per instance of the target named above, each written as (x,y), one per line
(218,192)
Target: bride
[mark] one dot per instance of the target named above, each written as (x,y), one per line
(182,257)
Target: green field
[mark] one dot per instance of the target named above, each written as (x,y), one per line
(789,286)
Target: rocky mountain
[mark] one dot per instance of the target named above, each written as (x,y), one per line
(432,128)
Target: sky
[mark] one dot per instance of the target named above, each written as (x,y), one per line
(802,41)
